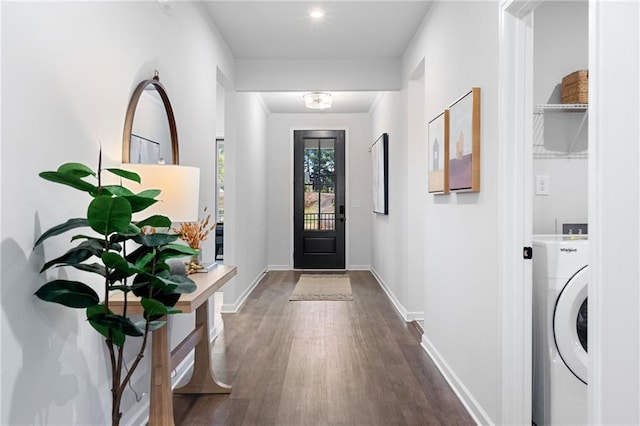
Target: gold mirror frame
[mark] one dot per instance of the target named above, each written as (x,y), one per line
(131,111)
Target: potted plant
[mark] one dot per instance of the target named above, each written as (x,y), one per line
(103,253)
(194,233)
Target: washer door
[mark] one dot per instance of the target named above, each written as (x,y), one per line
(570,324)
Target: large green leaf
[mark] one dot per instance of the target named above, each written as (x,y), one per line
(171,284)
(131,231)
(149,193)
(153,307)
(139,203)
(119,237)
(76,169)
(71,180)
(179,248)
(144,260)
(99,243)
(78,254)
(171,251)
(117,323)
(73,294)
(153,325)
(108,214)
(115,261)
(117,190)
(184,284)
(63,227)
(117,336)
(95,268)
(156,221)
(155,240)
(125,174)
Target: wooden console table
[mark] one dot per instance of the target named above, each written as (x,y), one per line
(164,361)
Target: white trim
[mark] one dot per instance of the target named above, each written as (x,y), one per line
(595,395)
(614,230)
(359,268)
(279,267)
(515,163)
(263,104)
(406,315)
(233,308)
(472,406)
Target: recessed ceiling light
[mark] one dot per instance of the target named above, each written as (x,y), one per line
(317,14)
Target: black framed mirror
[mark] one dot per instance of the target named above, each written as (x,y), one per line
(150,134)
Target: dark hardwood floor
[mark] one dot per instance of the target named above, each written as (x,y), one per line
(322,363)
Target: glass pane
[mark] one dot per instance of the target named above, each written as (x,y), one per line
(220,181)
(319,182)
(327,185)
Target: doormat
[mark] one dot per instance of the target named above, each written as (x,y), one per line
(322,287)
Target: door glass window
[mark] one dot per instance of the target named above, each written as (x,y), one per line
(319,184)
(220,180)
(581,324)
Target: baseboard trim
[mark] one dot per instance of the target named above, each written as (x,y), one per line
(233,308)
(406,315)
(359,268)
(279,268)
(466,398)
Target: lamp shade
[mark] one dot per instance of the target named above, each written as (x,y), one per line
(179,186)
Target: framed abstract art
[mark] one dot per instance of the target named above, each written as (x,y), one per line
(464,143)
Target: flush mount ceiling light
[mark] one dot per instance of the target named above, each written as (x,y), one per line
(317,100)
(316,14)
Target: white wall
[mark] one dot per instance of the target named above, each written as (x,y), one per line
(370,74)
(614,209)
(246,194)
(280,184)
(560,47)
(458,41)
(68,71)
(389,233)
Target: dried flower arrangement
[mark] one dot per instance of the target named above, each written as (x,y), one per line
(194,233)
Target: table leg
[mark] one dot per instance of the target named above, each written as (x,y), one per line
(203,379)
(161,398)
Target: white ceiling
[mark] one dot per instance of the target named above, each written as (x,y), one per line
(350,29)
(343,102)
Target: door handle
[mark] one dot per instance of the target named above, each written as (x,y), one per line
(343,219)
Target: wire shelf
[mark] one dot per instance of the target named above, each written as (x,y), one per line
(539,149)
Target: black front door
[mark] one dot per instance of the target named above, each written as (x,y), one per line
(319,209)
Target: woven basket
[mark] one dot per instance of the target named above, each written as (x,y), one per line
(575,88)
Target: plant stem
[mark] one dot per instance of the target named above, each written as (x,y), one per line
(139,357)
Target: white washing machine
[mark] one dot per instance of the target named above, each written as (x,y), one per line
(560,283)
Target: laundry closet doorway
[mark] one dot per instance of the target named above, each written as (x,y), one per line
(518,135)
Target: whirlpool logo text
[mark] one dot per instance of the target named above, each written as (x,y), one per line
(568,249)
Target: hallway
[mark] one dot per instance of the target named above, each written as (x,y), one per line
(321,363)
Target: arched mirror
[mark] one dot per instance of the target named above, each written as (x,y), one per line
(150,134)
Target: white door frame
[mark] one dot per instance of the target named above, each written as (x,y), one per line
(515,110)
